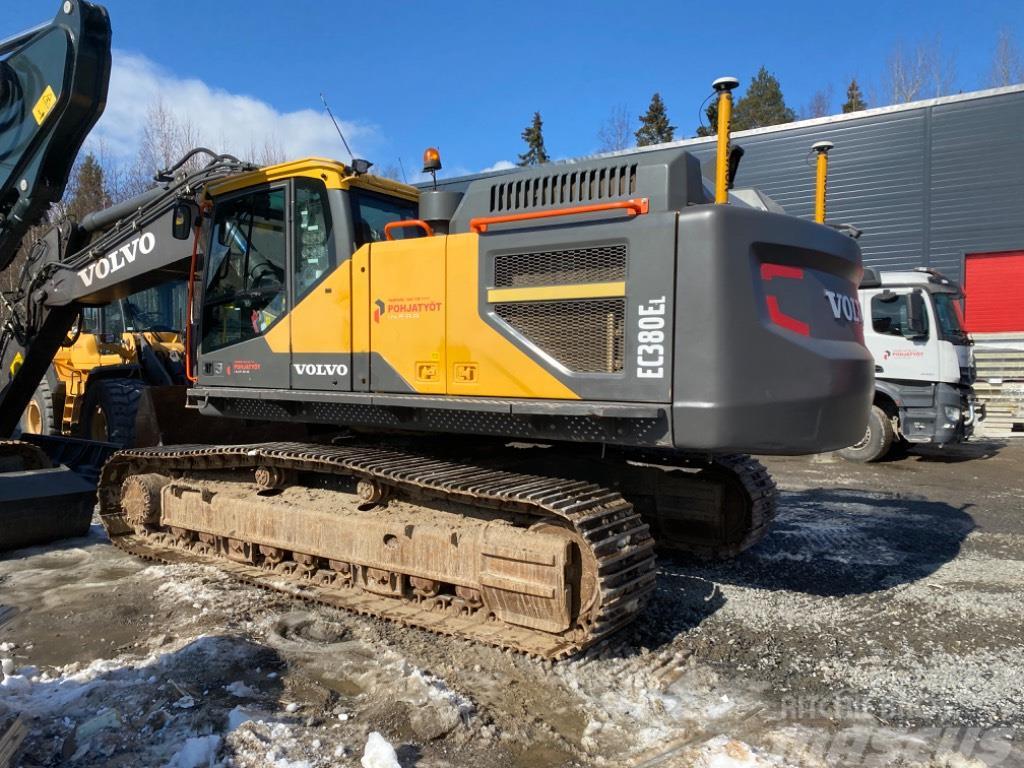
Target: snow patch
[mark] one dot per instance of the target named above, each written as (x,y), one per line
(723,752)
(196,752)
(379,753)
(241,690)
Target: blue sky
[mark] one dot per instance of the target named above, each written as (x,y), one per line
(467,76)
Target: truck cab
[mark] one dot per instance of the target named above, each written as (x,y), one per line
(924,362)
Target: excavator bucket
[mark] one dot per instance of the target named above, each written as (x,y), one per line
(47,488)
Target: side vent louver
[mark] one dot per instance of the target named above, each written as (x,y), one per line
(598,264)
(586,336)
(565,188)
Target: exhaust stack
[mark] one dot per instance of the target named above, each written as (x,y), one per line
(723,86)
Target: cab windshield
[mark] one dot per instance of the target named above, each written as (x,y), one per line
(949,311)
(160,309)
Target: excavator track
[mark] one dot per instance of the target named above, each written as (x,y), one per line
(552,565)
(728,506)
(710,507)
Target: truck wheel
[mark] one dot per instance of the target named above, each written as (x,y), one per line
(108,411)
(877,440)
(40,416)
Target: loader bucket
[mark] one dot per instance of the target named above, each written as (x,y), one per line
(47,488)
(42,505)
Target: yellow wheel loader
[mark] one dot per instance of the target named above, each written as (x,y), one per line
(513,395)
(94,387)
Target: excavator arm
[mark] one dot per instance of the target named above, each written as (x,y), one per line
(53,89)
(108,255)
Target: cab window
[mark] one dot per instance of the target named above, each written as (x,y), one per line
(891,314)
(245,278)
(372,212)
(314,238)
(106,321)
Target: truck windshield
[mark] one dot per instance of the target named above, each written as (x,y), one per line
(949,311)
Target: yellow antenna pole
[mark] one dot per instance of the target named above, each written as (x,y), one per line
(723,86)
(821,148)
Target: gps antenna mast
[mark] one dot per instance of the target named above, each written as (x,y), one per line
(351,157)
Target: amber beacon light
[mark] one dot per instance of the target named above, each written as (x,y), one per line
(432,162)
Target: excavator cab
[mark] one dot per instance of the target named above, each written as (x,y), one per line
(278,257)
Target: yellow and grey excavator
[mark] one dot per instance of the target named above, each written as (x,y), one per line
(512,394)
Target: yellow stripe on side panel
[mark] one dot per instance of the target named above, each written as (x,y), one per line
(481,361)
(555,292)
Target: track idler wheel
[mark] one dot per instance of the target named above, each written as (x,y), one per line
(370,492)
(140,500)
(269,479)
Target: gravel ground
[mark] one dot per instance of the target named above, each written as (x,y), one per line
(878,624)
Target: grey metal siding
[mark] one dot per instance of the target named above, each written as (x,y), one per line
(977,184)
(926,183)
(876,175)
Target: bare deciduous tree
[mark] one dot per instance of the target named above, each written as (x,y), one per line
(923,71)
(820,104)
(389,171)
(270,153)
(617,132)
(1007,67)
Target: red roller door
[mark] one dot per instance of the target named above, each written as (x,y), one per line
(994,284)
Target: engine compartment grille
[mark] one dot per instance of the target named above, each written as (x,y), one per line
(579,186)
(600,264)
(585,335)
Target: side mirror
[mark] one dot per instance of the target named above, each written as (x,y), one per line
(917,317)
(181,228)
(223,236)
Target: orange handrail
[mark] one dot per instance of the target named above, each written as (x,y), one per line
(407,223)
(632,207)
(190,373)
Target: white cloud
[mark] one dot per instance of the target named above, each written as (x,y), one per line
(225,121)
(501,165)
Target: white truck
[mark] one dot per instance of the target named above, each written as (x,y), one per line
(924,363)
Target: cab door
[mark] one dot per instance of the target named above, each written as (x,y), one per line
(321,323)
(901,335)
(245,337)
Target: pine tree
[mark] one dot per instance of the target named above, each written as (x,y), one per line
(533,135)
(854,98)
(711,113)
(762,104)
(89,189)
(654,126)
